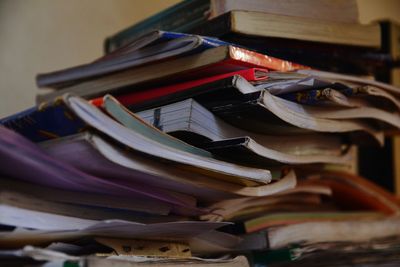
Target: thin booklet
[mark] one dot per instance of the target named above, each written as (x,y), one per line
(192,122)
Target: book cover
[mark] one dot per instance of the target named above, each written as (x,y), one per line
(215,61)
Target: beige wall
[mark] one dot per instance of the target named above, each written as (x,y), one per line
(45,35)
(374,10)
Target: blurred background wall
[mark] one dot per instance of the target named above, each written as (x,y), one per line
(45,35)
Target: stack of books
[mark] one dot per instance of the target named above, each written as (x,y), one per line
(176,148)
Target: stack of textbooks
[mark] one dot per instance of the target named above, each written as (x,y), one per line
(176,149)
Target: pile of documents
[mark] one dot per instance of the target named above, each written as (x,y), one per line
(180,149)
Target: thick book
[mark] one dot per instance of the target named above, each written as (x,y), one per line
(341,50)
(238,261)
(325,10)
(213,61)
(185,15)
(252,23)
(350,230)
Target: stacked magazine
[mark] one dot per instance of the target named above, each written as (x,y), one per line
(176,149)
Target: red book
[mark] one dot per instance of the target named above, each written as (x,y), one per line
(253,74)
(220,60)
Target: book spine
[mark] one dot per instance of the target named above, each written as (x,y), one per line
(179,18)
(216,27)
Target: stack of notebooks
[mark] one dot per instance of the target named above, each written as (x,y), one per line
(176,149)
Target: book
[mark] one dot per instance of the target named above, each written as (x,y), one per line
(217,87)
(339,231)
(254,23)
(347,193)
(193,123)
(139,140)
(238,261)
(180,231)
(320,97)
(352,79)
(248,151)
(21,217)
(314,45)
(140,205)
(351,97)
(264,104)
(217,150)
(44,122)
(35,166)
(293,218)
(238,84)
(242,96)
(231,209)
(171,91)
(352,191)
(371,253)
(389,120)
(214,61)
(240,87)
(186,15)
(348,59)
(28,203)
(51,256)
(151,47)
(98,156)
(340,11)
(361,108)
(175,18)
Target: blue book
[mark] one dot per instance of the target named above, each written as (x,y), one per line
(46,122)
(151,47)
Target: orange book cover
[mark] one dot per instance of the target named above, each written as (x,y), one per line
(355,192)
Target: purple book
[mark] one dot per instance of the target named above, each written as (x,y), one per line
(24,160)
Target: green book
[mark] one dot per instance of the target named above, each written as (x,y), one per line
(178,18)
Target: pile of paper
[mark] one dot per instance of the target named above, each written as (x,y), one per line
(179,149)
